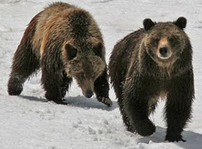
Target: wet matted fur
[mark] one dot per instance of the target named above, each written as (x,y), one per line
(65,42)
(150,63)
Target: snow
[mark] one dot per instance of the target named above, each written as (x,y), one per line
(29,121)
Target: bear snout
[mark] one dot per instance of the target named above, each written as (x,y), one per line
(87,87)
(164,53)
(88,93)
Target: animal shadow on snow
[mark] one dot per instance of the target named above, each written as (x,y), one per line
(32,98)
(193,139)
(83,102)
(78,101)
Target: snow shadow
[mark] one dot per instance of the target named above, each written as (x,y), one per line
(80,101)
(32,98)
(193,139)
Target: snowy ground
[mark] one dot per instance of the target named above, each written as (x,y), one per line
(30,122)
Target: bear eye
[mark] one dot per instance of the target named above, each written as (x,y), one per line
(156,40)
(173,40)
(97,49)
(71,51)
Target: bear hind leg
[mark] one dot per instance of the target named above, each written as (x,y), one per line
(125,118)
(24,64)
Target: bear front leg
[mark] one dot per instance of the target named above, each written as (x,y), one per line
(51,83)
(101,88)
(66,81)
(178,106)
(135,105)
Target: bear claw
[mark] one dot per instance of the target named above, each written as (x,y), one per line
(107,101)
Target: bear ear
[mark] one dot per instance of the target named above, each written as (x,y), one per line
(181,22)
(97,49)
(148,23)
(71,51)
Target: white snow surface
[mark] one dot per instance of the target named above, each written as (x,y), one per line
(28,121)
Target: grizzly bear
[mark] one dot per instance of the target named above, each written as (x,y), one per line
(65,42)
(151,63)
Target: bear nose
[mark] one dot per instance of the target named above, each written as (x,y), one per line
(89,93)
(163,51)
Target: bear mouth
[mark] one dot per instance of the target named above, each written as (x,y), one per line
(165,58)
(165,62)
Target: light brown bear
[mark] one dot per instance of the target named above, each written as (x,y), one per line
(66,43)
(153,62)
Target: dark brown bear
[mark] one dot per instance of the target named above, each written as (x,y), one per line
(154,62)
(66,43)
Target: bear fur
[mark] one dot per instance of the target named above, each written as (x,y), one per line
(151,63)
(65,42)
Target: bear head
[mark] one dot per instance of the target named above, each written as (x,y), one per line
(165,41)
(84,61)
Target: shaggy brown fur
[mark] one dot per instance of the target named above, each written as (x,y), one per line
(66,43)
(151,63)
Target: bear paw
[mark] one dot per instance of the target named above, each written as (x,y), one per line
(145,128)
(174,138)
(107,101)
(14,86)
(54,97)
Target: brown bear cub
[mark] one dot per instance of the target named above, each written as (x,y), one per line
(65,42)
(154,62)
